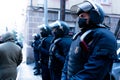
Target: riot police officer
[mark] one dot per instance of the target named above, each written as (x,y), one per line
(35,45)
(93,49)
(45,33)
(59,48)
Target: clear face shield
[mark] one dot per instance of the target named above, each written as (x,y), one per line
(81,7)
(55,25)
(42,26)
(34,34)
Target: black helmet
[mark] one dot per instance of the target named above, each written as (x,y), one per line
(95,10)
(36,36)
(44,30)
(61,27)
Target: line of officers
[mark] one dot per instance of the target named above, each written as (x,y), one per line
(89,55)
(51,47)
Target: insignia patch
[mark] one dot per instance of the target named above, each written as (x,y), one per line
(77,49)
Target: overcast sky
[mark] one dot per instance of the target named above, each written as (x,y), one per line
(10,12)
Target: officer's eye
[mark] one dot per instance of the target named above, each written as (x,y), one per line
(83,15)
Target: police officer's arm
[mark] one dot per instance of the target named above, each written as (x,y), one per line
(58,56)
(32,44)
(36,45)
(100,60)
(62,51)
(64,70)
(43,50)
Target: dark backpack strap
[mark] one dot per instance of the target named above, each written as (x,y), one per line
(53,45)
(51,50)
(85,39)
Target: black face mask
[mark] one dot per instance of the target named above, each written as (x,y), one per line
(44,34)
(58,33)
(82,22)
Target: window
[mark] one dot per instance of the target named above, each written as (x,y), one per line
(107,2)
(103,2)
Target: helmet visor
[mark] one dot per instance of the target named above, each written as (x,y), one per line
(79,8)
(43,26)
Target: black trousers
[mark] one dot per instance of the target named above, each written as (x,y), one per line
(54,75)
(45,72)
